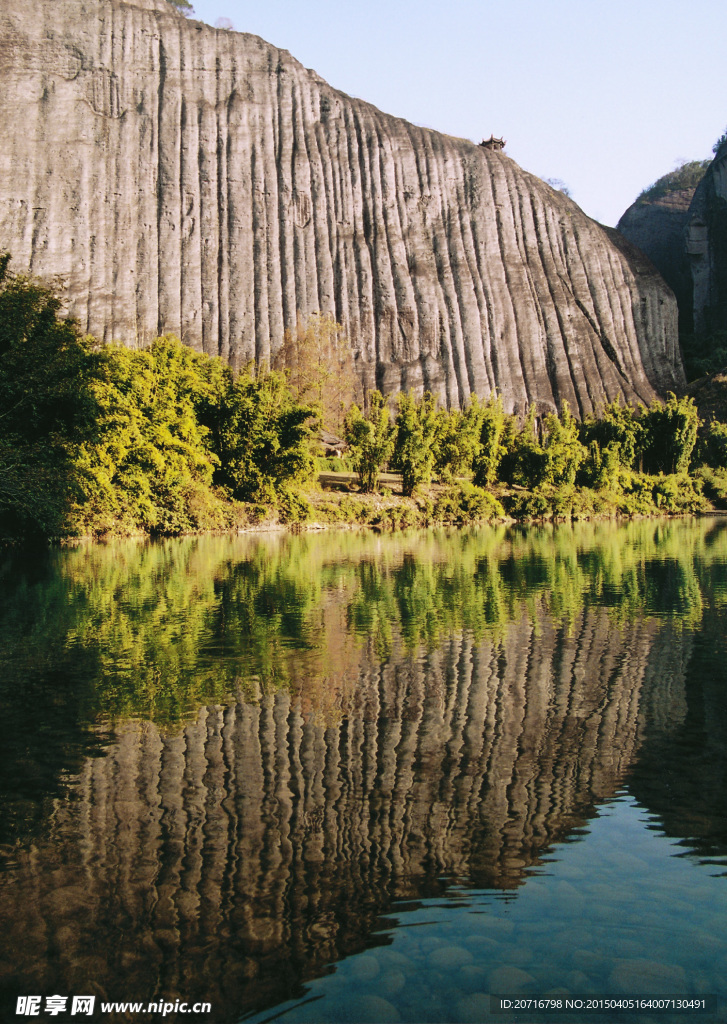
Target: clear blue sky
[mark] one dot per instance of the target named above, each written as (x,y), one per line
(606,96)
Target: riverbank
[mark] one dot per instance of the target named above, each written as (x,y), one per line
(102,440)
(338,499)
(336,502)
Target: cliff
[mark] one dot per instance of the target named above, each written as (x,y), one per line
(658,227)
(173,177)
(707,247)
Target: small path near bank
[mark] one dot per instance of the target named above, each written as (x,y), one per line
(334,480)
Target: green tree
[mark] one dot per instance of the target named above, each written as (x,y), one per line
(148,464)
(263,439)
(601,468)
(687,175)
(184,6)
(617,425)
(45,406)
(524,462)
(451,455)
(669,434)
(370,439)
(494,426)
(563,451)
(459,439)
(416,438)
(713,445)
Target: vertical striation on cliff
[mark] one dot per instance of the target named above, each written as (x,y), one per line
(174,177)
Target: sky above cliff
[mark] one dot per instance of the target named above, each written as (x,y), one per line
(606,96)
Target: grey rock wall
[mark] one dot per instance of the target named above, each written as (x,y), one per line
(707,247)
(658,227)
(173,177)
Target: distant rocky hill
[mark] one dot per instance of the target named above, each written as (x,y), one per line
(680,223)
(173,177)
(657,224)
(707,247)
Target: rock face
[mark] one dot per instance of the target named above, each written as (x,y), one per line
(707,247)
(174,177)
(658,227)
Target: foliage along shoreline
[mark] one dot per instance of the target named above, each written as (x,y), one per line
(104,440)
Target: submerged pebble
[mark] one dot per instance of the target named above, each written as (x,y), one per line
(391,982)
(648,976)
(450,957)
(363,968)
(511,980)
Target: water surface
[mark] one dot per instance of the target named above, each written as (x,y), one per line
(359,777)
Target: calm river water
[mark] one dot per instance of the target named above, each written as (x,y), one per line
(350,777)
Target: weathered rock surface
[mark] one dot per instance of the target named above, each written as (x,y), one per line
(658,227)
(707,247)
(174,177)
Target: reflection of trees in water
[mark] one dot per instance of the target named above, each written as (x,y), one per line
(153,631)
(164,627)
(261,841)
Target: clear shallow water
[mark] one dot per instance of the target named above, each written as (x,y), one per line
(617,912)
(350,777)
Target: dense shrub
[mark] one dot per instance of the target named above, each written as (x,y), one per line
(712,445)
(644,494)
(601,468)
(293,506)
(524,460)
(466,503)
(618,428)
(714,485)
(333,464)
(396,517)
(46,403)
(147,464)
(669,434)
(564,502)
(704,353)
(109,439)
(165,440)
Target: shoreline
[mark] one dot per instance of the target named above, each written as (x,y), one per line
(334,505)
(313,527)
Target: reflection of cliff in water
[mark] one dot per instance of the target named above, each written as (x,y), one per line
(244,853)
(681,776)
